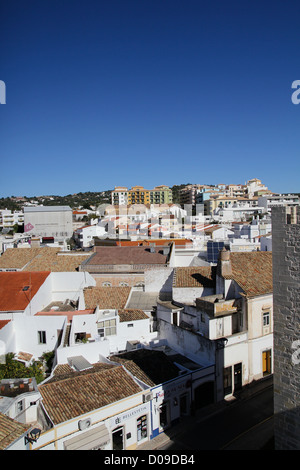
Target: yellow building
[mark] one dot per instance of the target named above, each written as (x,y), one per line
(138,195)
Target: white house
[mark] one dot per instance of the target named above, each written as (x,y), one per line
(20,399)
(25,294)
(92,414)
(231,328)
(84,236)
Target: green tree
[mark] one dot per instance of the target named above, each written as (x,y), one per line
(13,369)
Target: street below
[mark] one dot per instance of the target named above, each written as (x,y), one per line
(246,424)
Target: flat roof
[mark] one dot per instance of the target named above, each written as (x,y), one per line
(47,209)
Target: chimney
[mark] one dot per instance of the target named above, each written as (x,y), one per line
(166,250)
(152,247)
(225,262)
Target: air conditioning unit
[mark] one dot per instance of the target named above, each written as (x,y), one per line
(84,424)
(147,397)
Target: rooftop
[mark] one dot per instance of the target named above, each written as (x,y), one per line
(129,255)
(18,288)
(252,271)
(47,209)
(41,259)
(106,297)
(142,300)
(152,367)
(10,430)
(15,387)
(196,276)
(131,314)
(17,258)
(77,393)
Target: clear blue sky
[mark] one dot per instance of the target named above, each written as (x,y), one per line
(149,92)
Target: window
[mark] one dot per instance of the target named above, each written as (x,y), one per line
(142,428)
(19,406)
(107,328)
(266,318)
(227,379)
(130,325)
(42,337)
(123,284)
(106,284)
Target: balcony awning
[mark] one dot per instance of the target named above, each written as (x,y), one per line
(93,439)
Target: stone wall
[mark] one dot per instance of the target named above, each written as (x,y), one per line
(286,307)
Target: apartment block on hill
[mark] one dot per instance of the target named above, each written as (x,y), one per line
(139,195)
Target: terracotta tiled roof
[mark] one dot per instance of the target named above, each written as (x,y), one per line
(56,263)
(126,255)
(10,430)
(18,288)
(65,371)
(17,258)
(200,276)
(41,259)
(252,272)
(3,323)
(131,314)
(73,396)
(106,297)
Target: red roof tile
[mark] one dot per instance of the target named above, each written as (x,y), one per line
(3,323)
(18,288)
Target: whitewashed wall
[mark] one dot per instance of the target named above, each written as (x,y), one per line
(26,333)
(69,285)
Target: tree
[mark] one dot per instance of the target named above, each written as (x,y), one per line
(13,369)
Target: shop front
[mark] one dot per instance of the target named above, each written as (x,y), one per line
(130,428)
(171,401)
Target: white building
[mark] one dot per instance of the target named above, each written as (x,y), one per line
(84,236)
(119,197)
(10,218)
(231,328)
(19,399)
(275,200)
(23,295)
(48,221)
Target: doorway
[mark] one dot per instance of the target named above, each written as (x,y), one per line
(117,438)
(164,415)
(266,362)
(204,394)
(237,377)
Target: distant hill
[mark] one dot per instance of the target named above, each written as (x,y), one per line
(85,200)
